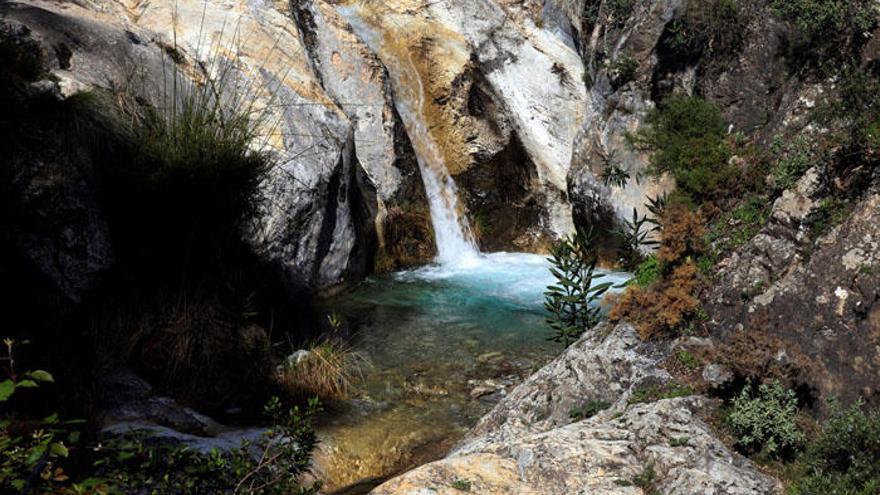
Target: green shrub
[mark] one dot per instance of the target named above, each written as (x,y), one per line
(573,300)
(857,106)
(845,458)
(826,30)
(648,272)
(283,454)
(686,138)
(766,422)
(687,359)
(461,485)
(633,236)
(622,70)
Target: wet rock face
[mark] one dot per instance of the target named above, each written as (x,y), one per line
(530,444)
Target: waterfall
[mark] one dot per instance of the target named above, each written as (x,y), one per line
(454,238)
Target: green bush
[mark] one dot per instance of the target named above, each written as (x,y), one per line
(648,272)
(573,300)
(686,138)
(827,30)
(622,70)
(766,422)
(134,464)
(845,458)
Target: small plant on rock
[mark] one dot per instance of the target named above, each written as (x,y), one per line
(588,410)
(765,421)
(573,300)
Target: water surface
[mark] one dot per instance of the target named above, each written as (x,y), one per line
(446,342)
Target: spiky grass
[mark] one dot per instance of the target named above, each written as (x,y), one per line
(330,370)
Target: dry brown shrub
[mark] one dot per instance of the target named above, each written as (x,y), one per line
(764,357)
(682,235)
(659,310)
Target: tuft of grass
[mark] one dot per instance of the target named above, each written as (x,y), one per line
(737,227)
(654,393)
(679,441)
(330,370)
(461,485)
(588,410)
(687,359)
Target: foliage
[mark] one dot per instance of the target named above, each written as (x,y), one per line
(766,421)
(687,359)
(648,272)
(613,174)
(791,159)
(633,236)
(735,228)
(654,393)
(588,410)
(686,138)
(831,212)
(622,70)
(35,454)
(826,30)
(273,464)
(857,106)
(716,27)
(573,300)
(681,236)
(178,203)
(845,457)
(30,451)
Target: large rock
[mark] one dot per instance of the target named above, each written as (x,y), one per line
(315,222)
(816,299)
(530,444)
(474,73)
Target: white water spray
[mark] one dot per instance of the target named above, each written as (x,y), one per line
(455,240)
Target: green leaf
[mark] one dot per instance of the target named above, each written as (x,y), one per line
(41,376)
(58,449)
(7,388)
(26,384)
(51,419)
(35,455)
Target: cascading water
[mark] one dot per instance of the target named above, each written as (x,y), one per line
(455,240)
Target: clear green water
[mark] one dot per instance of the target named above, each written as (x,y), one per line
(433,336)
